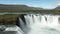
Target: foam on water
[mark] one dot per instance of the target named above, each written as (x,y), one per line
(43,24)
(15,29)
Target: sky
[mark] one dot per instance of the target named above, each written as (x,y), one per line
(49,4)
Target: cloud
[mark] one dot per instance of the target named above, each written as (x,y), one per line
(59,4)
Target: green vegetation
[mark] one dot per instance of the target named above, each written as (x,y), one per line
(43,11)
(8,19)
(24,8)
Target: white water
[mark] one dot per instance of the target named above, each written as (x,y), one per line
(14,28)
(38,24)
(43,24)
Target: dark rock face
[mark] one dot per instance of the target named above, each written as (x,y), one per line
(23,19)
(17,22)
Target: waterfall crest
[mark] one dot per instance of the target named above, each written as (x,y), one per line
(40,24)
(42,19)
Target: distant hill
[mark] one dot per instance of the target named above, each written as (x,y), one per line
(9,7)
(57,8)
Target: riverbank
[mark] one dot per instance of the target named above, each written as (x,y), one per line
(29,11)
(8,19)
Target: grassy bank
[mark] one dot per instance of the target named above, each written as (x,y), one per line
(37,11)
(8,19)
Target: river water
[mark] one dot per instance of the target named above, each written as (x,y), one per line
(2,13)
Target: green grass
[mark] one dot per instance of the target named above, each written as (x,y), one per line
(8,19)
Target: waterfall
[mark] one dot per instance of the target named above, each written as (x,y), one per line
(43,24)
(40,24)
(42,19)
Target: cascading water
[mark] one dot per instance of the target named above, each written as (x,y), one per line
(43,24)
(14,29)
(42,19)
(40,24)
